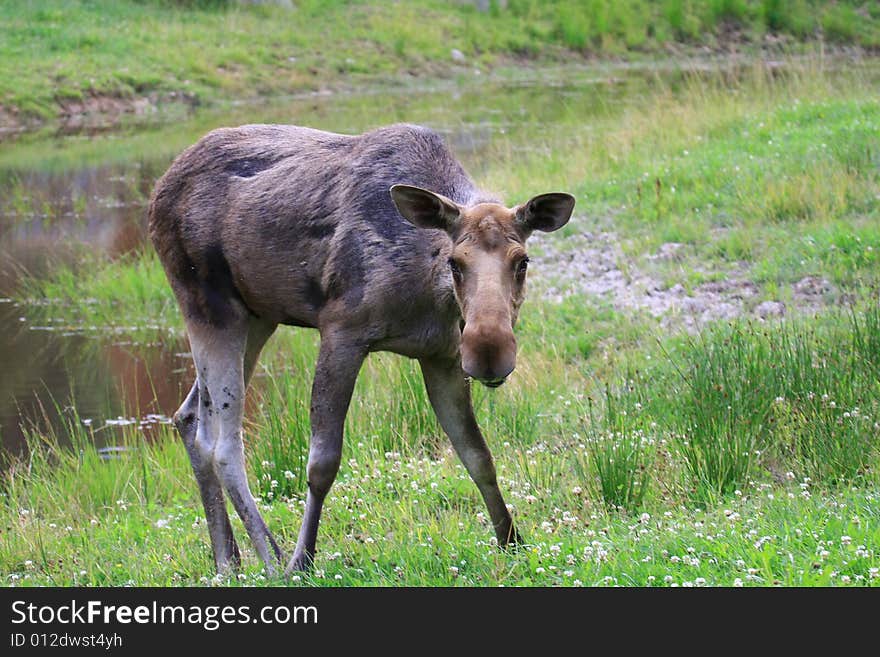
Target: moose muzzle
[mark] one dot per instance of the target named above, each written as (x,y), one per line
(488,352)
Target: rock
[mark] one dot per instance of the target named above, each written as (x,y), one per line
(457,56)
(767,309)
(813,286)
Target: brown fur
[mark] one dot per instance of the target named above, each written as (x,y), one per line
(264,225)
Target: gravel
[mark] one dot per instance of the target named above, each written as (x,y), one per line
(594,265)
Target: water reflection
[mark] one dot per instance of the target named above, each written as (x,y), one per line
(54,376)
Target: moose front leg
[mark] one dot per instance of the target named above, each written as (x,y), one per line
(339,362)
(450,395)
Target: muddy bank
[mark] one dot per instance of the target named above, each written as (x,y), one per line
(96,112)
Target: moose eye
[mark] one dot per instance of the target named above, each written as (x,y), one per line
(454,268)
(522,267)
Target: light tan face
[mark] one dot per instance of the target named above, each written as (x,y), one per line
(488,265)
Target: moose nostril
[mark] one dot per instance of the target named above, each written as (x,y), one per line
(490,362)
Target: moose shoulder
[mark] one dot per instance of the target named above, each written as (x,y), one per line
(381,241)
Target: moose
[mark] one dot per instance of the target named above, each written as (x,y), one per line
(382,242)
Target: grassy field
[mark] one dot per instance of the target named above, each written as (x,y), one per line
(56,54)
(632,451)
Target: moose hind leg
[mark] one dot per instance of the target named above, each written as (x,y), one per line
(186,419)
(335,374)
(220,361)
(449,393)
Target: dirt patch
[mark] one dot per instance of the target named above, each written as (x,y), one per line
(594,265)
(12,122)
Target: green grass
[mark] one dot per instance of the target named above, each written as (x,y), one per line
(56,52)
(631,453)
(799,397)
(621,448)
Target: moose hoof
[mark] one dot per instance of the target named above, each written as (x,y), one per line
(300,563)
(512,542)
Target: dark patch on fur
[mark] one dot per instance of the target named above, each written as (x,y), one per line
(313,294)
(347,280)
(318,231)
(217,286)
(185,268)
(248,167)
(376,206)
(225,404)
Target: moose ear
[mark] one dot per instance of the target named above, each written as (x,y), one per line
(547,212)
(425,209)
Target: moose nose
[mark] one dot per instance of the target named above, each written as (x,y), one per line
(488,353)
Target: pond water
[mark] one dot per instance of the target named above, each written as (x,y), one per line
(68,194)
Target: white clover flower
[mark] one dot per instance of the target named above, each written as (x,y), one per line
(738,582)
